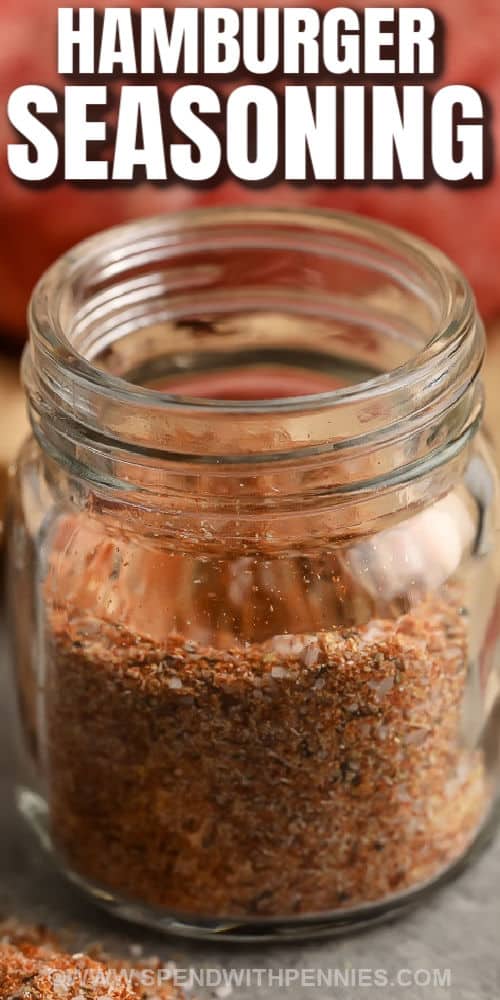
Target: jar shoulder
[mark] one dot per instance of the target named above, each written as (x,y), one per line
(117,569)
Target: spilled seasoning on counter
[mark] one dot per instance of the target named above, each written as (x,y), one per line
(36,965)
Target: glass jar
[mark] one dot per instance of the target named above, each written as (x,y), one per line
(254,581)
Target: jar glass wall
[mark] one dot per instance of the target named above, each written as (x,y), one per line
(254,575)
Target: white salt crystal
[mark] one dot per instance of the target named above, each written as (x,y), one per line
(174,682)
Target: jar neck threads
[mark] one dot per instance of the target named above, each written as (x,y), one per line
(173,297)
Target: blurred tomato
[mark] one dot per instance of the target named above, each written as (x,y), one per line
(37,225)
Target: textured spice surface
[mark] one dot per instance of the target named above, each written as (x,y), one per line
(34,965)
(294,776)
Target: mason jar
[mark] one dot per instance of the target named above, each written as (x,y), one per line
(253,572)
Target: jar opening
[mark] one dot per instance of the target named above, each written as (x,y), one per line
(250,335)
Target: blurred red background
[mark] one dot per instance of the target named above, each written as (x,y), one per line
(37,225)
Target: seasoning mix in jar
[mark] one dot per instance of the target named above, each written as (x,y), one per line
(254,575)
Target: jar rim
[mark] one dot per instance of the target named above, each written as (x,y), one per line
(80,403)
(457,314)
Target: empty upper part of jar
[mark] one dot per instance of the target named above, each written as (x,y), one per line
(256,385)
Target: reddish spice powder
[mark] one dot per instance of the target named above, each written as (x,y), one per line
(36,965)
(294,776)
